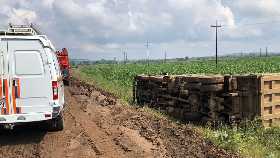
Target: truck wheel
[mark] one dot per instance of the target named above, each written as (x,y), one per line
(56,124)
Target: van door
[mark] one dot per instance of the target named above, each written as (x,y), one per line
(30,77)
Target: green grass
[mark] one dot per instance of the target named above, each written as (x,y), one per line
(252,141)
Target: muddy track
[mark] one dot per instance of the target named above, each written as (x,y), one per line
(97,125)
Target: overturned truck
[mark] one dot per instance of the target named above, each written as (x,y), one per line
(212,98)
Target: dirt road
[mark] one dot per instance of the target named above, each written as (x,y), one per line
(97,125)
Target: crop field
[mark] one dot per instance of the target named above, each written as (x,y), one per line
(119,77)
(251,141)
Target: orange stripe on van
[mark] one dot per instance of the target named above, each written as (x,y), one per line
(14,99)
(7,96)
(1,95)
(18,88)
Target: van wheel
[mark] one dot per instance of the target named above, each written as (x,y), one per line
(56,124)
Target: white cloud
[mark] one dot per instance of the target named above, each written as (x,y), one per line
(257,8)
(91,47)
(48,3)
(104,27)
(21,16)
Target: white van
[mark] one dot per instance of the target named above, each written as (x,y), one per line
(31,86)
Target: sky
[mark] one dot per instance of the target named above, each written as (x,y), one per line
(103,29)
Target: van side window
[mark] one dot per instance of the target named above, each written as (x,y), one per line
(28,63)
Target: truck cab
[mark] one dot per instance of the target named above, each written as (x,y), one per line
(31,86)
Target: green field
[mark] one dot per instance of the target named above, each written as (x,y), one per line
(253,141)
(119,77)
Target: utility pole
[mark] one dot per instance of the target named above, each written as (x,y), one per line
(165,56)
(216,27)
(260,52)
(124,57)
(148,52)
(266,52)
(115,60)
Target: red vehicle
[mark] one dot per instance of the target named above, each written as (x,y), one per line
(64,63)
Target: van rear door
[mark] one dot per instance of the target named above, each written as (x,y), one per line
(30,77)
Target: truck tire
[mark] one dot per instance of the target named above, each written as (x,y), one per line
(56,124)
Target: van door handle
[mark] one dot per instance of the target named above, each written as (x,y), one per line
(16,85)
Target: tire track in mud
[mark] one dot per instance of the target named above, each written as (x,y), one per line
(73,141)
(168,139)
(98,124)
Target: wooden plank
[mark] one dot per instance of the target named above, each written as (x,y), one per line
(267,117)
(276,122)
(270,104)
(267,122)
(270,77)
(269,91)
